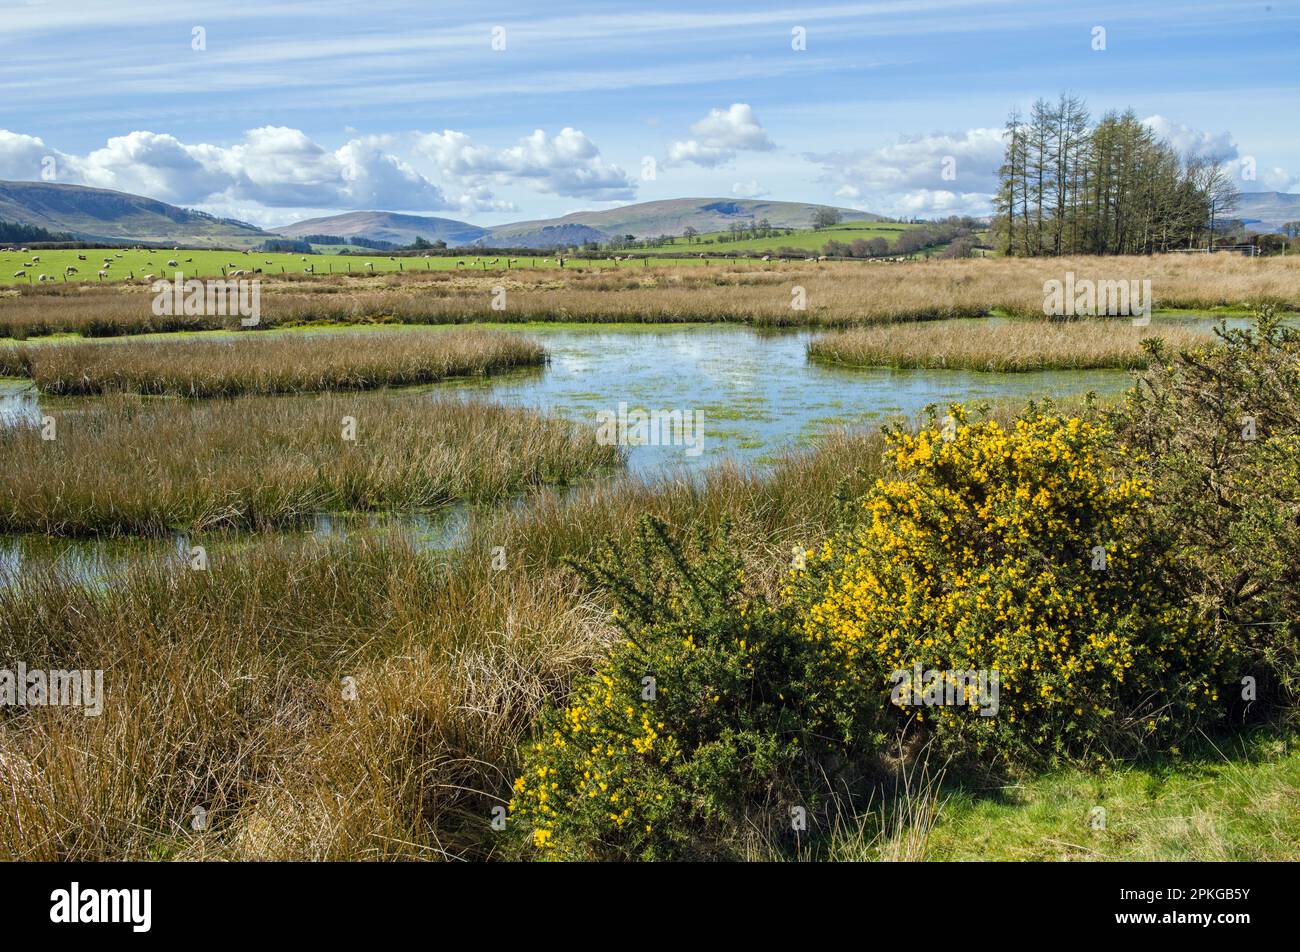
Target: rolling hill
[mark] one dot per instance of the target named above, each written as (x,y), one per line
(1267,211)
(100,214)
(668,217)
(96,214)
(387,226)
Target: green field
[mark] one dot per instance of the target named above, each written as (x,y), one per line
(806,239)
(202,263)
(136,265)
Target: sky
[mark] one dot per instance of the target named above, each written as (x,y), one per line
(271,112)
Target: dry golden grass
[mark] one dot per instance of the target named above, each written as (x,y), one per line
(125,465)
(265,364)
(224,688)
(838,294)
(1002,346)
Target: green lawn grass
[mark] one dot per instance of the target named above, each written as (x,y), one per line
(1226,800)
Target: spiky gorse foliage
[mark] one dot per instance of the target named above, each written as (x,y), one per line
(1119,570)
(698,718)
(1217,431)
(1019,550)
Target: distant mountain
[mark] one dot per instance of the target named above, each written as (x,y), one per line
(99,214)
(1267,211)
(387,226)
(652,219)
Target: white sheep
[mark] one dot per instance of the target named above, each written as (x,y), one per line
(20,274)
(81,257)
(172,263)
(103,274)
(69,270)
(36,257)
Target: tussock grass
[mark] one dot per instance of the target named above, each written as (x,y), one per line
(1003,346)
(130,466)
(265,364)
(839,294)
(224,687)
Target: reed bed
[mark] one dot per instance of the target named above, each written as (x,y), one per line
(838,294)
(262,364)
(1005,346)
(132,466)
(224,689)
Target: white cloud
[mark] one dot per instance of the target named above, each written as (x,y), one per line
(1214,147)
(271,166)
(21,156)
(942,162)
(750,189)
(719,136)
(568,163)
(1222,149)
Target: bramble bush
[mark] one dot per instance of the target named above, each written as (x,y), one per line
(1022,551)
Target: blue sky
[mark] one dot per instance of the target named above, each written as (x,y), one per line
(288,110)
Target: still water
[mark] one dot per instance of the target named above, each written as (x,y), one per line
(751,393)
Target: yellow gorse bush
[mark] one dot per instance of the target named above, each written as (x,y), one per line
(1020,551)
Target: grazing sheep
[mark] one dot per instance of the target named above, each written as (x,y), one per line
(264,262)
(118,255)
(81,257)
(43,278)
(103,274)
(150,278)
(767,257)
(69,270)
(188,260)
(460,264)
(20,274)
(173,263)
(257,271)
(310,269)
(36,257)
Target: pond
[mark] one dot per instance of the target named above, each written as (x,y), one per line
(751,394)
